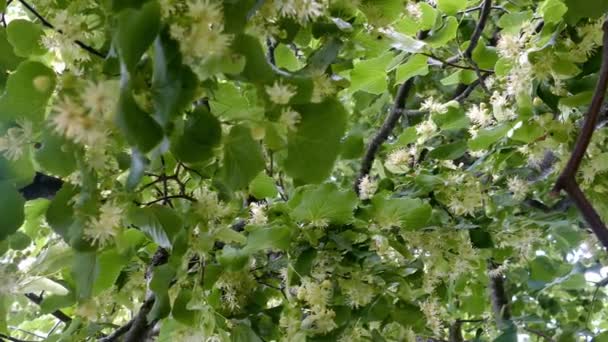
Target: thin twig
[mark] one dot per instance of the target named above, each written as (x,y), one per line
(49,25)
(477,8)
(469,90)
(57,313)
(386,129)
(454,65)
(540,333)
(164,198)
(12,339)
(567,179)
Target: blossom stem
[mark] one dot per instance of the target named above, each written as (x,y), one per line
(46,23)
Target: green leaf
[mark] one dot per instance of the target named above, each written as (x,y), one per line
(25,37)
(508,335)
(417,65)
(528,132)
(552,10)
(12,212)
(512,22)
(8,60)
(2,5)
(323,203)
(585,9)
(51,303)
(601,337)
(263,186)
(543,269)
(138,127)
(313,149)
(243,158)
(161,280)
(237,13)
(232,258)
(574,282)
(451,7)
(257,69)
(109,265)
(286,58)
(444,35)
(60,214)
(19,241)
(449,151)
(406,213)
(201,134)
(135,32)
(429,16)
(277,238)
(352,146)
(485,138)
(232,103)
(370,75)
(27,92)
(173,84)
(84,272)
(180,310)
(243,333)
(485,57)
(160,223)
(56,155)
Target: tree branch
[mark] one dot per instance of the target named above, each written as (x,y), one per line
(143,312)
(49,25)
(57,313)
(386,129)
(486,8)
(136,328)
(455,332)
(567,179)
(498,297)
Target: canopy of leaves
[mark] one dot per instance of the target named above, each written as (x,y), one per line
(303,170)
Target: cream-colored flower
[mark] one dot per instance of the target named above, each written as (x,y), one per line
(280,93)
(258,214)
(290,118)
(104,228)
(433,106)
(302,10)
(479,114)
(367,187)
(16,139)
(426,130)
(518,187)
(401,160)
(100,98)
(322,86)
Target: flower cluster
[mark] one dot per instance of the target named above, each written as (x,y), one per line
(106,226)
(16,139)
(201,33)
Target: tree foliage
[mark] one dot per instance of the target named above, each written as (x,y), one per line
(303,170)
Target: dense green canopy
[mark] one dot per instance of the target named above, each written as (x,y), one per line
(303,170)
